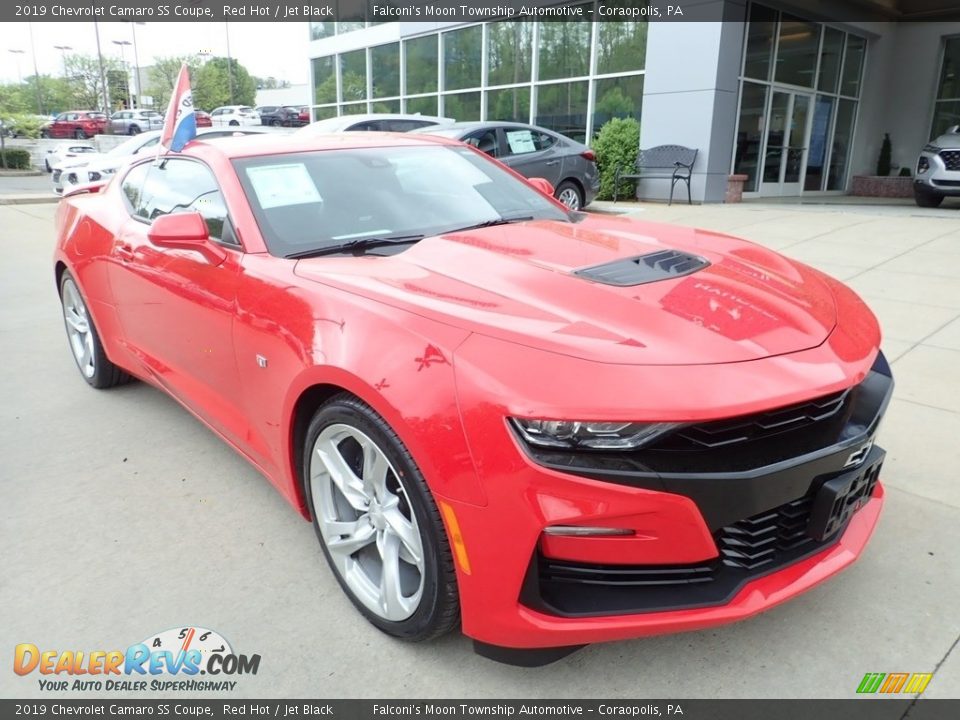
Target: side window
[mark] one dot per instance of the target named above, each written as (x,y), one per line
(366,126)
(181,186)
(132,186)
(152,142)
(61,117)
(484,141)
(543,141)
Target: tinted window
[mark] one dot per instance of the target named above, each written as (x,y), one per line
(133,185)
(484,141)
(182,186)
(405,125)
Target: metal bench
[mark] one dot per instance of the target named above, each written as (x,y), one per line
(655,162)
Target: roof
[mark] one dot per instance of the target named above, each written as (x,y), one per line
(337,123)
(276,144)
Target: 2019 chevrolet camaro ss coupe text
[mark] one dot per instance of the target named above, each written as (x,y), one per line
(553,428)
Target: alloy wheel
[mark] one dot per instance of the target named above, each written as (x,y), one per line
(78,329)
(570,198)
(367,522)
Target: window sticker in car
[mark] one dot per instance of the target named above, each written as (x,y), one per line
(281,185)
(520,141)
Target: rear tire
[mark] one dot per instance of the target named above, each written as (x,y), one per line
(926,199)
(377,522)
(234,123)
(569,194)
(276,123)
(85,345)
(45,134)
(80,135)
(134,130)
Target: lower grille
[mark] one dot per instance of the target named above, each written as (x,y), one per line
(56,175)
(747,549)
(951,158)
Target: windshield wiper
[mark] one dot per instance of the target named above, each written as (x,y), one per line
(493,222)
(357,247)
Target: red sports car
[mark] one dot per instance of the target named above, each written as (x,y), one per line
(554,428)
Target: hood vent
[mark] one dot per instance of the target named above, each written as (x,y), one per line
(652,267)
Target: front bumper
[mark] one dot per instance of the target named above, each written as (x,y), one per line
(938,172)
(707,548)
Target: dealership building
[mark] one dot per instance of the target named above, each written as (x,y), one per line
(798,101)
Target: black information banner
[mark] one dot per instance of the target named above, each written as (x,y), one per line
(853,709)
(454,10)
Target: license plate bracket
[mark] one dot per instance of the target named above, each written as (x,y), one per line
(840,497)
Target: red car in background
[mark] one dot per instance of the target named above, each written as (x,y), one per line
(549,427)
(304,117)
(203,119)
(78,124)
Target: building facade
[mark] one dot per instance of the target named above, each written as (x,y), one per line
(797,105)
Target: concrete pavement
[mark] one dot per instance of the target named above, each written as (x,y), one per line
(123,516)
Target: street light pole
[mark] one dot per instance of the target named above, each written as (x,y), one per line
(136,63)
(36,73)
(63,53)
(123,63)
(103,74)
(18,53)
(226,27)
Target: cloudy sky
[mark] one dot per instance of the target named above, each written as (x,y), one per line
(278,49)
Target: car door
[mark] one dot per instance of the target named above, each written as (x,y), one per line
(177,306)
(487,140)
(533,153)
(64,125)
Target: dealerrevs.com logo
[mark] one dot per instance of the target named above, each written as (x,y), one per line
(170,661)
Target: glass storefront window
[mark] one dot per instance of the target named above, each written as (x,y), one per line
(617,98)
(322,113)
(462,106)
(353,75)
(422,105)
(564,50)
(830,60)
(763,25)
(324,80)
(563,107)
(946,114)
(753,103)
(509,52)
(350,26)
(353,109)
(818,146)
(950,72)
(462,58)
(852,65)
(621,46)
(840,150)
(509,105)
(385,67)
(320,30)
(797,49)
(421,64)
(385,106)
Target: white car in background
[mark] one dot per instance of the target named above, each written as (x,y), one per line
(81,172)
(234,116)
(66,151)
(373,122)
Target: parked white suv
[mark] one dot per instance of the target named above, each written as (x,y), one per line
(235,115)
(938,169)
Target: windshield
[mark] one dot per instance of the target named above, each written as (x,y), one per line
(137,142)
(314,200)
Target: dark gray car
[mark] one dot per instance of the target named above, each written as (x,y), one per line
(533,152)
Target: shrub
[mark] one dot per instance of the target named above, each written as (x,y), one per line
(24,124)
(617,144)
(883,161)
(905,172)
(15,159)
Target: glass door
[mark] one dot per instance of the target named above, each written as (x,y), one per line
(788,132)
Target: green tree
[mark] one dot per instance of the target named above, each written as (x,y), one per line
(83,75)
(163,76)
(211,84)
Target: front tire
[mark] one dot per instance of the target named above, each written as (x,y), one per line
(84,341)
(80,135)
(926,199)
(134,130)
(569,194)
(377,522)
(234,123)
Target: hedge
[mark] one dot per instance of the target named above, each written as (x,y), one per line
(15,159)
(617,144)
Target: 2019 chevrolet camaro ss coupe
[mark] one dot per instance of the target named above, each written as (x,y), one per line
(553,428)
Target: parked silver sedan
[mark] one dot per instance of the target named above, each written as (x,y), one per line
(533,152)
(134,122)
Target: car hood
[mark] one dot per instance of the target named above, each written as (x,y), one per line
(948,141)
(80,161)
(518,283)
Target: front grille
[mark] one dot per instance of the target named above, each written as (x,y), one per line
(719,433)
(951,158)
(747,549)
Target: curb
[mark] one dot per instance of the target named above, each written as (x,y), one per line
(28,199)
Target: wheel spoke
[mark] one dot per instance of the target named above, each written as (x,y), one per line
(375,468)
(76,322)
(407,534)
(342,475)
(356,535)
(391,595)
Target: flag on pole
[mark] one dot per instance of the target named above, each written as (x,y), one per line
(180,124)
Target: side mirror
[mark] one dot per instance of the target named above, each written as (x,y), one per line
(185,231)
(541,184)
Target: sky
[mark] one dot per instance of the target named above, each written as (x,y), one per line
(268,48)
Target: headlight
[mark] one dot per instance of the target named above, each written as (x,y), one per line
(922,165)
(93,175)
(593,435)
(931,148)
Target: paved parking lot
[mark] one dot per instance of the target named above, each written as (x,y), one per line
(123,516)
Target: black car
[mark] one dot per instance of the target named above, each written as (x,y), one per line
(280,115)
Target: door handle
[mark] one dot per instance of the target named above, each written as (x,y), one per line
(124,252)
(552,162)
